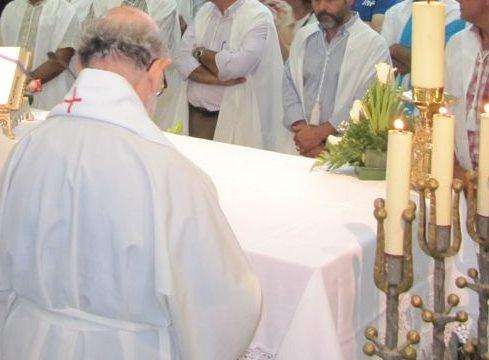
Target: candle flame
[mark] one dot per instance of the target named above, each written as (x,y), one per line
(443,111)
(486,108)
(399,124)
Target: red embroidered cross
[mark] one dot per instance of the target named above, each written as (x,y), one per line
(73,100)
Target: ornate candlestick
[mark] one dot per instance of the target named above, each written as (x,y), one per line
(428,102)
(439,245)
(393,275)
(478,229)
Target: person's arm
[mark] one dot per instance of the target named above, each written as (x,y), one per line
(50,69)
(291,101)
(377,22)
(380,8)
(401,57)
(232,64)
(215,304)
(204,76)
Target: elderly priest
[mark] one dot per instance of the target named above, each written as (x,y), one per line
(112,244)
(331,64)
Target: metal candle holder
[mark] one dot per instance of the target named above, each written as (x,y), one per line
(439,244)
(428,102)
(393,275)
(478,229)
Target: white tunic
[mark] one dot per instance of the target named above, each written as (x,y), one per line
(41,28)
(251,113)
(460,60)
(113,244)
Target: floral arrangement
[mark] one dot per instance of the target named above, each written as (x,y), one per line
(366,132)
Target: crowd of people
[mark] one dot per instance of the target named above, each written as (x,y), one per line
(112,244)
(277,74)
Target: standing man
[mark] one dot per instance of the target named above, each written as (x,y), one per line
(331,64)
(113,246)
(467,77)
(373,11)
(230,58)
(397,32)
(43,26)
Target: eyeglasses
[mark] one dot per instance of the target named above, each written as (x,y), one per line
(164,85)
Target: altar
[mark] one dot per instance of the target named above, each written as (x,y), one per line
(310,237)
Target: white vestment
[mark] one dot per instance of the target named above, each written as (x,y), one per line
(82,8)
(365,48)
(460,60)
(56,27)
(165,14)
(251,113)
(113,245)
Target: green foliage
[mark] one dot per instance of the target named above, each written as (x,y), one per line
(381,106)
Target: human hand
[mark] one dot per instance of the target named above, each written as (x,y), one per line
(307,138)
(314,152)
(34,86)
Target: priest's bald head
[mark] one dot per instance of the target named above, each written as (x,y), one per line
(127,41)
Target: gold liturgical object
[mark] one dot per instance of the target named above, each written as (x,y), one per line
(14,105)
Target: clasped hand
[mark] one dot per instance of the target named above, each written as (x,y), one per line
(308,139)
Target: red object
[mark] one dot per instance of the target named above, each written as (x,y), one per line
(71,101)
(37,85)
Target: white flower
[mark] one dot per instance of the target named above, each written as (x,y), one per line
(356,111)
(385,73)
(333,140)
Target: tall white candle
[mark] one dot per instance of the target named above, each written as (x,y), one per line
(398,181)
(483,172)
(428,44)
(442,164)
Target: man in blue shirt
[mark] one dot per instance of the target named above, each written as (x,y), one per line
(372,11)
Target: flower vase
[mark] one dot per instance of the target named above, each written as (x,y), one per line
(374,165)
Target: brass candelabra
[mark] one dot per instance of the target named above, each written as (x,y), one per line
(393,275)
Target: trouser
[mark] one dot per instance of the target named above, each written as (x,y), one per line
(202,123)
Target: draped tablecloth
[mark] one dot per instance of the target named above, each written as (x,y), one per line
(310,237)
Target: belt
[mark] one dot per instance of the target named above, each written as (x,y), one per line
(204,111)
(76,319)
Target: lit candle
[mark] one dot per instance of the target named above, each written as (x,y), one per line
(483,172)
(442,164)
(428,44)
(398,180)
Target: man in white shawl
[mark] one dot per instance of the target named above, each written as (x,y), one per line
(42,27)
(231,60)
(467,78)
(331,64)
(165,14)
(113,245)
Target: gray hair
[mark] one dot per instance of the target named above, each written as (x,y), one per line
(133,40)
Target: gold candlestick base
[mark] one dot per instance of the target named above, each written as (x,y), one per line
(428,102)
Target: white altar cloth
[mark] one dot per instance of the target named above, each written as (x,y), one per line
(310,237)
